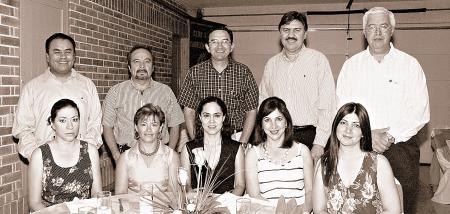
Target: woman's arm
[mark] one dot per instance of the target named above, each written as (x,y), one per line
(96,174)
(186,164)
(239,176)
(121,182)
(251,174)
(387,187)
(319,192)
(173,170)
(308,173)
(35,170)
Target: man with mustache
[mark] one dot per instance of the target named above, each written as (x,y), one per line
(392,87)
(125,98)
(301,77)
(225,78)
(59,81)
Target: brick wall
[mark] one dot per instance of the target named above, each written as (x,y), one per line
(11,192)
(104,31)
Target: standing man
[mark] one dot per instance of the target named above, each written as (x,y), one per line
(124,99)
(301,77)
(59,81)
(225,78)
(392,86)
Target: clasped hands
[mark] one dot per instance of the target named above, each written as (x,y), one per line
(381,140)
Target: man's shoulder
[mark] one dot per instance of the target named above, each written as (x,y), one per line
(120,86)
(357,57)
(200,66)
(315,53)
(403,55)
(161,86)
(37,81)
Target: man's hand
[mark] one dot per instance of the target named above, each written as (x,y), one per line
(316,152)
(381,140)
(116,156)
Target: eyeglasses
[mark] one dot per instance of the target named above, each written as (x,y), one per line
(383,28)
(223,42)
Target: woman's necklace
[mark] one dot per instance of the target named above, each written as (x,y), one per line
(283,159)
(148,154)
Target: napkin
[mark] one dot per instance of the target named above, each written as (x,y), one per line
(228,200)
(77,203)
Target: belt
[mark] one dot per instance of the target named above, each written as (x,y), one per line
(307,127)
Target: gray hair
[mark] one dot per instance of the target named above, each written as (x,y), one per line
(379,10)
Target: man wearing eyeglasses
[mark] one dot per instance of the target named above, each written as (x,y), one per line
(226,79)
(392,86)
(302,77)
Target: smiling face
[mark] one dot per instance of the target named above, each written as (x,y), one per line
(60,57)
(378,32)
(149,129)
(274,125)
(212,118)
(141,64)
(292,36)
(66,124)
(349,131)
(219,45)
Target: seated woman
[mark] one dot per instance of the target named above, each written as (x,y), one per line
(220,151)
(148,162)
(56,173)
(347,178)
(277,165)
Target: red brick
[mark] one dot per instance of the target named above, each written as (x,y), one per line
(10,21)
(5,60)
(9,159)
(6,40)
(5,169)
(13,100)
(12,177)
(7,140)
(5,189)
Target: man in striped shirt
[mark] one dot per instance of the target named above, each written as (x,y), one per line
(302,78)
(124,99)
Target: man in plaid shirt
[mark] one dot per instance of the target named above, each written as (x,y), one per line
(225,78)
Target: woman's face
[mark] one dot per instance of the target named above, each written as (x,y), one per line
(212,118)
(348,130)
(149,129)
(274,125)
(66,124)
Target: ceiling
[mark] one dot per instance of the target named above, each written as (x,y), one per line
(195,4)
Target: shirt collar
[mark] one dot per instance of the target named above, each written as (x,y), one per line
(73,74)
(302,50)
(392,52)
(149,85)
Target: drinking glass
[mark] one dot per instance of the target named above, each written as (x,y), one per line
(86,210)
(243,206)
(104,202)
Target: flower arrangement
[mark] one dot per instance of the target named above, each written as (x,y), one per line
(201,201)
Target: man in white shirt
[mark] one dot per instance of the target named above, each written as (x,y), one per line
(59,81)
(392,86)
(302,78)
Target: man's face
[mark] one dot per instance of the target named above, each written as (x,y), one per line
(141,64)
(60,57)
(292,36)
(378,32)
(219,45)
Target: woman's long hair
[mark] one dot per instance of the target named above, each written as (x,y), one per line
(329,159)
(268,106)
(226,128)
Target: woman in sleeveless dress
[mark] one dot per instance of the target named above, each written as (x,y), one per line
(148,162)
(277,165)
(65,167)
(221,153)
(347,178)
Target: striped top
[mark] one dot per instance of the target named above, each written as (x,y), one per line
(307,86)
(276,180)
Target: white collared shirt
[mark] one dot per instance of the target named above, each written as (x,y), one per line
(393,91)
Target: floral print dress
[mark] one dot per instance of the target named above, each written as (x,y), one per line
(61,184)
(362,196)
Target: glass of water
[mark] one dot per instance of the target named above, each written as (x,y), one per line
(243,206)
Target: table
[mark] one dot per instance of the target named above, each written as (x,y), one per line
(130,204)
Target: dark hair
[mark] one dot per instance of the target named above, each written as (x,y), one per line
(329,159)
(60,104)
(146,111)
(136,47)
(58,36)
(268,106)
(291,16)
(226,127)
(224,28)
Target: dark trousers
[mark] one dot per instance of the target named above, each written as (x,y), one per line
(404,159)
(305,135)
